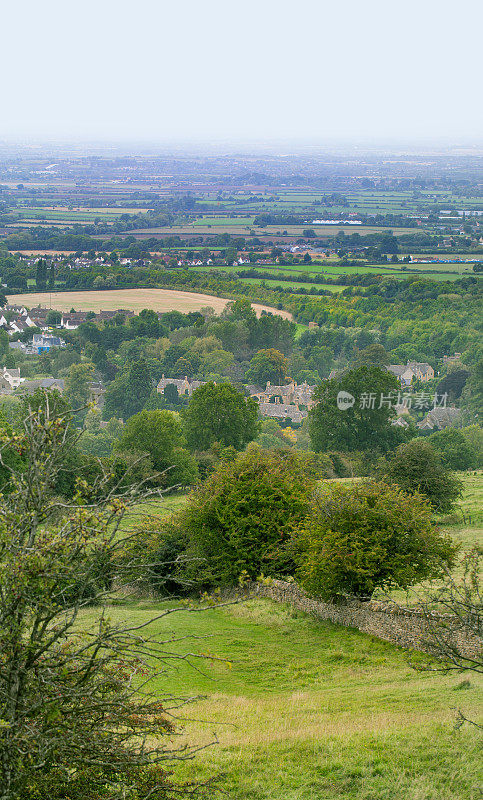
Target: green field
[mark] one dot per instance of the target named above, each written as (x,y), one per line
(307,710)
(41,214)
(291,284)
(332,268)
(368,201)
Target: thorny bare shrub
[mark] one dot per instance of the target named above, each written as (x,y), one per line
(453,613)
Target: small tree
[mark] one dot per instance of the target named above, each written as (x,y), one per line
(417,467)
(171,394)
(453,612)
(455,450)
(461,598)
(364,424)
(77,386)
(268,365)
(366,536)
(54,317)
(77,719)
(220,413)
(159,433)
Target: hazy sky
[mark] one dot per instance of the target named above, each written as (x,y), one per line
(260,69)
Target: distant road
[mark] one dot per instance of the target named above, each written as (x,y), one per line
(133,300)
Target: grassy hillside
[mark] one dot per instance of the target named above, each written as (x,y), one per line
(308,710)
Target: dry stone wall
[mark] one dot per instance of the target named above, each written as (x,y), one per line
(406,627)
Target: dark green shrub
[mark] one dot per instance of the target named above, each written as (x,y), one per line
(455,450)
(417,467)
(92,782)
(364,536)
(241,518)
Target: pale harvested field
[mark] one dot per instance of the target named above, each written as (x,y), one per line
(131,299)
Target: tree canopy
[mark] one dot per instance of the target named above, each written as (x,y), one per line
(364,422)
(417,467)
(159,433)
(365,536)
(220,413)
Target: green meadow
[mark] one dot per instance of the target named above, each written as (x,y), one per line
(302,709)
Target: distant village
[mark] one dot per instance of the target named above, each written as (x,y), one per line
(288,403)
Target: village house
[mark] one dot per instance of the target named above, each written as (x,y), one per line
(439,418)
(18,311)
(72,320)
(185,386)
(288,394)
(29,387)
(38,315)
(412,371)
(19,325)
(42,342)
(290,401)
(282,411)
(22,347)
(12,377)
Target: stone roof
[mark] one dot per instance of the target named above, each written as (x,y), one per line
(440,417)
(420,366)
(396,369)
(281,390)
(253,389)
(281,411)
(44,383)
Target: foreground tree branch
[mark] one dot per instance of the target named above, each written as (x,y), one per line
(77,716)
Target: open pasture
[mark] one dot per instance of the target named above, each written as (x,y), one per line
(333,268)
(307,710)
(274,284)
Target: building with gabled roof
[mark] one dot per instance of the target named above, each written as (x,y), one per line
(185,386)
(12,376)
(439,418)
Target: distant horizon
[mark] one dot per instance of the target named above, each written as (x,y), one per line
(230,146)
(211,71)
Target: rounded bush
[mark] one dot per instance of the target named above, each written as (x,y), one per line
(241,519)
(363,536)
